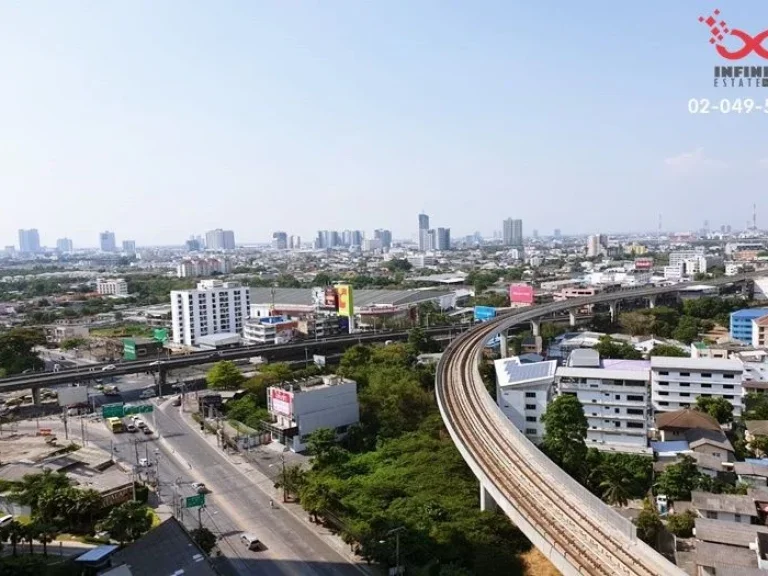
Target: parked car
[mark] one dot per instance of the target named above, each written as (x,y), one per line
(177,401)
(146,430)
(131,428)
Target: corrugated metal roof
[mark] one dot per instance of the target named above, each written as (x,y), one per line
(731,533)
(733,503)
(510,372)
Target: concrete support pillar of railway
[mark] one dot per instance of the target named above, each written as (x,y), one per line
(487,503)
(36,396)
(536,327)
(503,345)
(572,317)
(651,301)
(613,307)
(162,379)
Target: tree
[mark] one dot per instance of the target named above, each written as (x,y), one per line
(648,523)
(669,350)
(687,330)
(323,446)
(682,525)
(128,522)
(72,343)
(322,279)
(755,406)
(420,342)
(44,533)
(717,407)
(16,350)
(225,375)
(398,265)
(679,479)
(616,487)
(608,348)
(759,446)
(566,429)
(15,534)
(41,493)
(290,479)
(204,538)
(636,323)
(315,498)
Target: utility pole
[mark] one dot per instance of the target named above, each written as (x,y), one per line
(66,428)
(82,431)
(282,461)
(200,517)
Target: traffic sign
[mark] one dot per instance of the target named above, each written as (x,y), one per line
(196,500)
(138,409)
(112,411)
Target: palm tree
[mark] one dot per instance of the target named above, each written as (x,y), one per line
(29,533)
(45,533)
(615,487)
(15,533)
(85,504)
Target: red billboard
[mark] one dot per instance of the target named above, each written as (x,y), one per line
(521,294)
(643,263)
(282,401)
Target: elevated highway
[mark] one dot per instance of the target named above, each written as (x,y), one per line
(163,365)
(569,525)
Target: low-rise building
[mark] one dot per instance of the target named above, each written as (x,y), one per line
(523,392)
(677,382)
(269,330)
(112,287)
(58,334)
(741,323)
(298,409)
(725,507)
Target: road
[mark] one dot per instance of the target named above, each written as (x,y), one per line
(236,504)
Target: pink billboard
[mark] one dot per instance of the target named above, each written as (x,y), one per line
(521,294)
(282,401)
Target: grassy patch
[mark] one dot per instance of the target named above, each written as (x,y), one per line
(156,521)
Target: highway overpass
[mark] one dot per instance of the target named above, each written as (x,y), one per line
(293,351)
(569,525)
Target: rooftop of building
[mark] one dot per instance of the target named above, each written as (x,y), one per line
(686,419)
(749,313)
(510,372)
(218,339)
(730,533)
(726,559)
(314,383)
(732,503)
(758,427)
(362,298)
(714,364)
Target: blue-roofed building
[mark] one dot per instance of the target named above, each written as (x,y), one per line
(741,323)
(523,392)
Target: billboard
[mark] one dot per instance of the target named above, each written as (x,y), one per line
(346,304)
(284,332)
(520,294)
(318,360)
(72,395)
(318,296)
(330,297)
(282,401)
(643,263)
(129,349)
(483,313)
(160,334)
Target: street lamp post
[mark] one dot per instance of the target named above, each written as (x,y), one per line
(396,532)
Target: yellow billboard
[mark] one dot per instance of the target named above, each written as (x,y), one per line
(346,306)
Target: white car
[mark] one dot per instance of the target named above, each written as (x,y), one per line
(156,363)
(200,488)
(144,463)
(7,519)
(108,367)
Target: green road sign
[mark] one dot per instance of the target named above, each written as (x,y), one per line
(112,411)
(138,409)
(160,334)
(129,349)
(196,500)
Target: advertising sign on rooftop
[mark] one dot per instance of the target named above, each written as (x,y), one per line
(483,313)
(645,263)
(318,296)
(282,401)
(330,297)
(346,304)
(521,294)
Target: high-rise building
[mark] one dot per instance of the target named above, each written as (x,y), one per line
(29,241)
(557,234)
(513,232)
(423,232)
(279,240)
(214,307)
(129,246)
(220,239)
(295,243)
(64,245)
(356,238)
(443,239)
(596,245)
(535,234)
(385,236)
(193,244)
(107,241)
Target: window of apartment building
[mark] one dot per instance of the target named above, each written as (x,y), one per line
(530,394)
(711,515)
(663,383)
(685,384)
(617,424)
(706,375)
(706,385)
(530,406)
(663,372)
(685,394)
(729,376)
(663,403)
(635,424)
(635,411)
(635,398)
(728,396)
(530,418)
(530,431)
(737,517)
(616,410)
(663,393)
(728,386)
(685,373)
(617,397)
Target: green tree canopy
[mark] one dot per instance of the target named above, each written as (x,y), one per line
(669,350)
(566,431)
(679,479)
(398,265)
(649,524)
(204,538)
(16,350)
(687,330)
(128,522)
(681,525)
(609,348)
(72,343)
(421,342)
(717,407)
(225,375)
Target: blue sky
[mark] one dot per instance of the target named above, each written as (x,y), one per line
(162,119)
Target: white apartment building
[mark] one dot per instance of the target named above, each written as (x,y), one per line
(192,267)
(297,410)
(215,307)
(523,392)
(677,382)
(614,394)
(112,287)
(269,330)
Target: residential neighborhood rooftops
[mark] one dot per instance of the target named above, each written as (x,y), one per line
(686,419)
(714,364)
(758,427)
(731,533)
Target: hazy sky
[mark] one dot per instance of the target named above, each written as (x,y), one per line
(162,119)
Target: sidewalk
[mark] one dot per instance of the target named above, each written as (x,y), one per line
(257,477)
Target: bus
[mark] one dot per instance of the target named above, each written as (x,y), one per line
(114,424)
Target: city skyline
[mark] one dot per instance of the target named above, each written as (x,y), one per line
(422,119)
